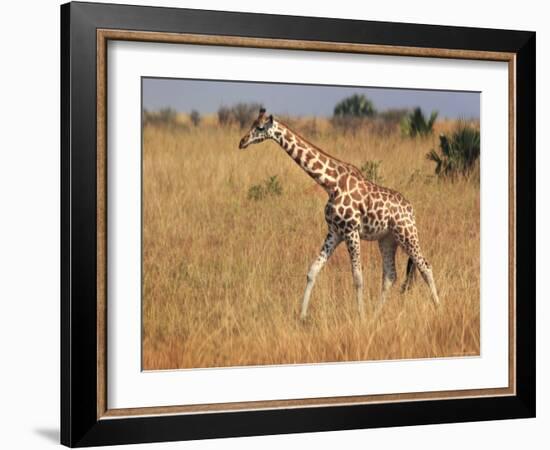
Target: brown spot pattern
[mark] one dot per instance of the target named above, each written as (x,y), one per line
(358,209)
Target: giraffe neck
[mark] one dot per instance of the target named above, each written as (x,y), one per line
(317,164)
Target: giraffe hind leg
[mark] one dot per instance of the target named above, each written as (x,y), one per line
(427,275)
(387,246)
(411,246)
(409,275)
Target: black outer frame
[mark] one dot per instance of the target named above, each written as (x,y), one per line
(79,424)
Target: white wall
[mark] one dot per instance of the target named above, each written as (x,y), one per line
(29,241)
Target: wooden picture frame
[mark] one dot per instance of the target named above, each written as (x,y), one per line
(86,418)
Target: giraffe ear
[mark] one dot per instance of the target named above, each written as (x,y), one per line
(270,118)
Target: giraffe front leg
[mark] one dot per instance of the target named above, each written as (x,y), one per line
(331,242)
(353,243)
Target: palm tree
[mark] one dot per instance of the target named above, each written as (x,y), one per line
(416,124)
(459,152)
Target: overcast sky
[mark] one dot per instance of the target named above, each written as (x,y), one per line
(292,99)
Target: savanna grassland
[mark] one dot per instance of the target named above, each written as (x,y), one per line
(224,273)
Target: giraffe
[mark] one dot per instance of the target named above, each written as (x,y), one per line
(357,209)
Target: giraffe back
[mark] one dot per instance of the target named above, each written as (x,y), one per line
(357,203)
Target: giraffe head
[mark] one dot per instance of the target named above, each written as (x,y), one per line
(260,130)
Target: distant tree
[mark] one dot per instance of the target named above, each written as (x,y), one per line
(416,124)
(244,113)
(164,116)
(224,115)
(354,106)
(167,116)
(195,117)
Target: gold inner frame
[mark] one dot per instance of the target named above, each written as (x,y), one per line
(103,36)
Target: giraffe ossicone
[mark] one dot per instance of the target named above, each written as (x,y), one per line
(357,209)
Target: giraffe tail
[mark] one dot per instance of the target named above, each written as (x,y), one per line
(409,275)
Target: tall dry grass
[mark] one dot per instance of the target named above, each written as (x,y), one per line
(223,275)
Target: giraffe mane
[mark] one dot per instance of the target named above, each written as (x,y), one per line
(347,164)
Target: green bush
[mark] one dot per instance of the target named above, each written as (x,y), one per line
(271,187)
(371,171)
(256,192)
(459,152)
(354,106)
(416,124)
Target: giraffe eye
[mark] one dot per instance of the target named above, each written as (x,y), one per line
(260,128)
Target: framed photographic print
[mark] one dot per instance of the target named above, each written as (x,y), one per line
(277,224)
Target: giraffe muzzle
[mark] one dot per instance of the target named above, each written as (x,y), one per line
(243,144)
